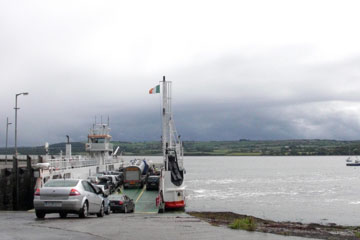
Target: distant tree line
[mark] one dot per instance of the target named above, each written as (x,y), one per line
(220,148)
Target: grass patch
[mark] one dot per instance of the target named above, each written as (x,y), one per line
(357,234)
(247,224)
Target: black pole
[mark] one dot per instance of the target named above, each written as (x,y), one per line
(15,183)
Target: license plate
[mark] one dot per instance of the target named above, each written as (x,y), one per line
(53,204)
(132,182)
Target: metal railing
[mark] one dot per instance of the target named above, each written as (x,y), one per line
(20,157)
(78,162)
(61,162)
(65,163)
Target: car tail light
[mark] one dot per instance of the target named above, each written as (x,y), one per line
(121,202)
(37,192)
(74,192)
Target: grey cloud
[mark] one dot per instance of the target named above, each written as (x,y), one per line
(253,99)
(277,94)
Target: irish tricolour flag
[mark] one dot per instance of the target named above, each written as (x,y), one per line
(155,89)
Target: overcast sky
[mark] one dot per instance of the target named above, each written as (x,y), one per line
(240,69)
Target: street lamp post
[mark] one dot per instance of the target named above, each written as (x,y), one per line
(16,108)
(16,161)
(6,142)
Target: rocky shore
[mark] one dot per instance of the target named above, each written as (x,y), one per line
(312,230)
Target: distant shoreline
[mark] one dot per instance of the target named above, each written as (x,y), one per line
(242,147)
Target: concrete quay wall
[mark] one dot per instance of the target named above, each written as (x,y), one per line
(8,199)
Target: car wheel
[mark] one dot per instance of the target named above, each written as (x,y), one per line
(107,212)
(40,214)
(101,212)
(63,215)
(161,208)
(84,211)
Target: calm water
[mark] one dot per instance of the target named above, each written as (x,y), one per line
(306,189)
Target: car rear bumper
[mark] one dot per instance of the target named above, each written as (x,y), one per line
(73,205)
(117,208)
(152,187)
(132,183)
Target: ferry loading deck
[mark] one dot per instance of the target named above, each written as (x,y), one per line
(145,201)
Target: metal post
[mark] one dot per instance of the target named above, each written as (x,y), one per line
(164,118)
(16,165)
(6,142)
(16,160)
(16,108)
(15,185)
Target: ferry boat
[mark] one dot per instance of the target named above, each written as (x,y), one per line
(172,175)
(100,157)
(352,161)
(353,164)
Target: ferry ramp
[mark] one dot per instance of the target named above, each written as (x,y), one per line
(145,201)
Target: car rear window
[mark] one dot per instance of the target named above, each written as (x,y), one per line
(105,178)
(103,181)
(153,179)
(61,183)
(116,197)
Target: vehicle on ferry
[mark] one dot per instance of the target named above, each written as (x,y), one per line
(105,197)
(105,185)
(153,182)
(121,203)
(135,175)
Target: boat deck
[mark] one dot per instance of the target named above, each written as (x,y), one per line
(145,201)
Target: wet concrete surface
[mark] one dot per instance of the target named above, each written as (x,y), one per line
(24,225)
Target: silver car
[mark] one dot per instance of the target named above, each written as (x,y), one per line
(65,196)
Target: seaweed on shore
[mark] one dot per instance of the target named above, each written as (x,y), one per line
(311,230)
(248,224)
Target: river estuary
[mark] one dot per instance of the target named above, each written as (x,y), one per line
(301,189)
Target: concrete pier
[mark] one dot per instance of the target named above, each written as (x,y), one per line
(24,226)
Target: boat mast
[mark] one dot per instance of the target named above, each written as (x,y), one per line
(170,138)
(165,120)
